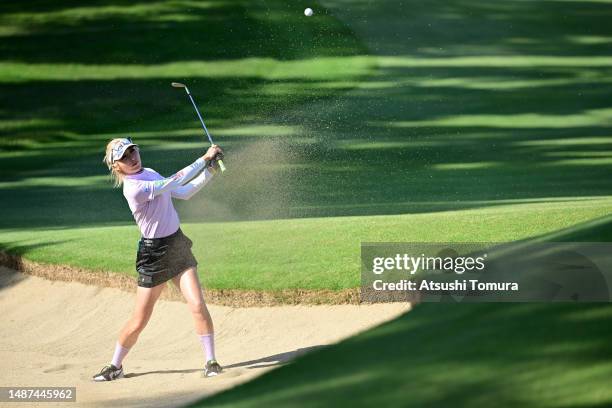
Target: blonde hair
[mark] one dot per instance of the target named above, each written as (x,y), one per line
(115,174)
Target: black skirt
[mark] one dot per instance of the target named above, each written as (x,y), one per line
(161,259)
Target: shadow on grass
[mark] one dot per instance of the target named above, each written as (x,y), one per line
(577,269)
(473,104)
(595,230)
(153,32)
(17,249)
(457,354)
(451,355)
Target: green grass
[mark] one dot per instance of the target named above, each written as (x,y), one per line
(441,355)
(449,121)
(485,103)
(283,254)
(371,121)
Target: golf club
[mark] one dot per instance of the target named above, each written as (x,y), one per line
(179,85)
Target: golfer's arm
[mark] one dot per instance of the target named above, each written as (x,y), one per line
(188,190)
(178,179)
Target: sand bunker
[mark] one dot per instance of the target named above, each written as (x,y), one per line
(59,334)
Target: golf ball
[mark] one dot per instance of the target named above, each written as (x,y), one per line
(308,12)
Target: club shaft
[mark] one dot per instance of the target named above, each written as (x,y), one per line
(200,117)
(179,85)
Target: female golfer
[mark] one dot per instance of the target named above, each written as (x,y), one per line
(164,252)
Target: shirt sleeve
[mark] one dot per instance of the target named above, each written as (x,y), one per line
(185,192)
(148,190)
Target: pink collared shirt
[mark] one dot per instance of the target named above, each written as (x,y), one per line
(149,196)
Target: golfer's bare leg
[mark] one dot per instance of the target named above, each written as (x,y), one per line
(145,301)
(189,285)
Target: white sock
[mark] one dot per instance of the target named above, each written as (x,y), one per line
(208,345)
(120,353)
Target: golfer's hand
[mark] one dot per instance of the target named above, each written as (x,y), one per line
(214,163)
(212,151)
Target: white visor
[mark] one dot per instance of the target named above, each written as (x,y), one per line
(120,147)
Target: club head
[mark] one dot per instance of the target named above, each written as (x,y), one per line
(178,85)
